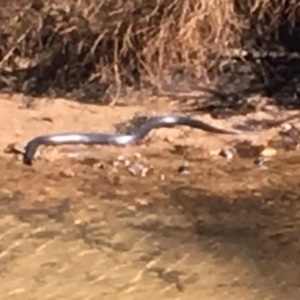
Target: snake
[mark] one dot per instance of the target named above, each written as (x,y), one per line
(72,138)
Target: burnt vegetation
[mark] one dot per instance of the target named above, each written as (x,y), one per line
(87,50)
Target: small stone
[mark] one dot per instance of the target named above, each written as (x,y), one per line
(137,155)
(286,127)
(14,148)
(6,192)
(78,222)
(19,133)
(92,207)
(142,202)
(215,152)
(121,158)
(99,165)
(184,169)
(131,208)
(73,155)
(67,173)
(127,163)
(144,171)
(116,163)
(137,168)
(227,153)
(261,162)
(268,152)
(20,157)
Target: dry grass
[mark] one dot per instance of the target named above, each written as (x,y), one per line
(70,45)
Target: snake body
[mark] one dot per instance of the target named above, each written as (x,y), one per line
(117,139)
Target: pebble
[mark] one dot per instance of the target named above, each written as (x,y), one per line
(286,127)
(184,169)
(137,168)
(14,148)
(137,155)
(268,152)
(228,153)
(260,162)
(131,208)
(142,202)
(67,173)
(121,158)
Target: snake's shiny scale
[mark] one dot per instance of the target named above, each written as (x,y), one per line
(117,139)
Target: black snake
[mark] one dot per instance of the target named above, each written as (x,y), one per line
(117,139)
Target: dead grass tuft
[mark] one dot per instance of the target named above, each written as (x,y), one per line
(89,47)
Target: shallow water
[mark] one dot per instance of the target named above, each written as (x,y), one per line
(78,230)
